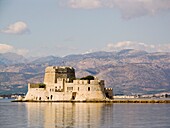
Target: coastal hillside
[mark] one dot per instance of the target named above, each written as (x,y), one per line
(128,71)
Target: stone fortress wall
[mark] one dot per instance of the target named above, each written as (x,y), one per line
(60,84)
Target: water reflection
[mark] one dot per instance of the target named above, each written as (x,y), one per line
(77,115)
(97,115)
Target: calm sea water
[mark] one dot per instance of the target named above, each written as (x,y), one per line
(83,115)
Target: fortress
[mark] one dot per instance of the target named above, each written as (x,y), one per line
(60,84)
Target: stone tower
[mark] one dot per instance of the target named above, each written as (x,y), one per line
(53,73)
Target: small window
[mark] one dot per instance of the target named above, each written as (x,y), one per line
(69,88)
(78,89)
(88,88)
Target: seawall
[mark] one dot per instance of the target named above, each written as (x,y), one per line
(108,101)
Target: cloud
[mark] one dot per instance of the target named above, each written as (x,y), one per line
(16,28)
(128,8)
(4,48)
(136,8)
(84,4)
(138,46)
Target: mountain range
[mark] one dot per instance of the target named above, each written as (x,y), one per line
(128,71)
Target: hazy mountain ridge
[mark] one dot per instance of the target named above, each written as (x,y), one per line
(11,58)
(127,71)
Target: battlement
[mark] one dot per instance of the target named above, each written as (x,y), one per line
(108,89)
(59,69)
(80,82)
(85,82)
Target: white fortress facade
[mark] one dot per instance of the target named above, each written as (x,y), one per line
(60,84)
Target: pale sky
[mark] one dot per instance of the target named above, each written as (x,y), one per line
(62,27)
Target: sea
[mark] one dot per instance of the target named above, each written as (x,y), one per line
(83,115)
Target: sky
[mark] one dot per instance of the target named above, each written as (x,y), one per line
(63,27)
